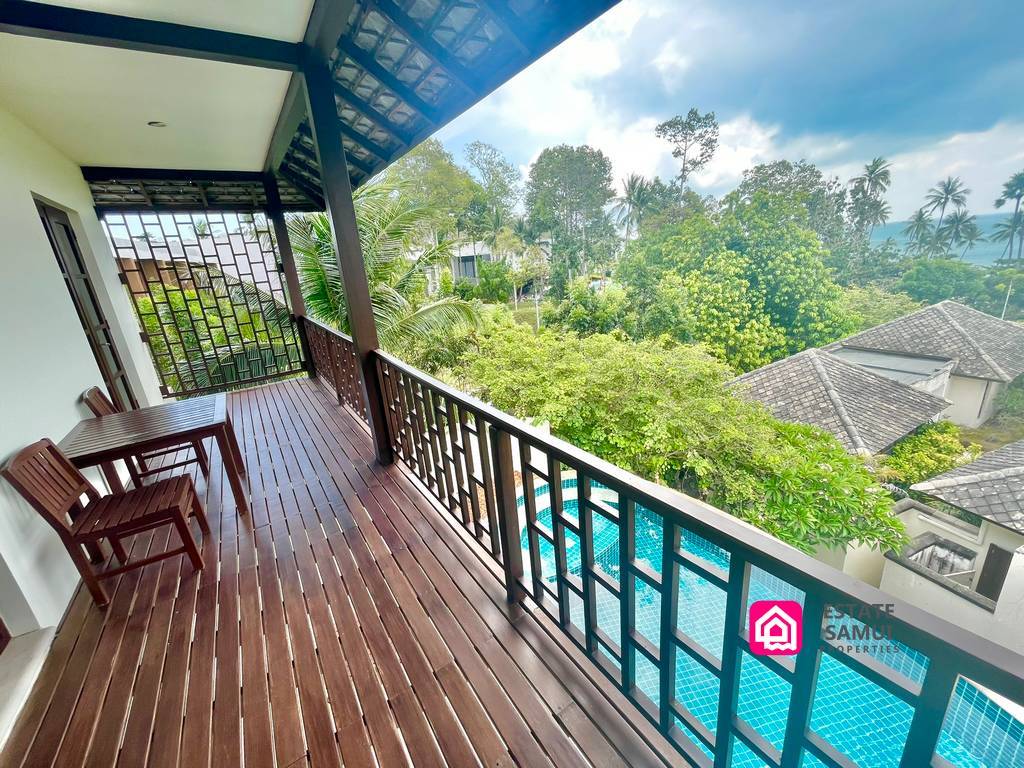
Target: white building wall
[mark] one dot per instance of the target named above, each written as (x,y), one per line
(973,400)
(46,358)
(1006,624)
(1003,627)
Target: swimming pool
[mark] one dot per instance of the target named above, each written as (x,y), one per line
(856,716)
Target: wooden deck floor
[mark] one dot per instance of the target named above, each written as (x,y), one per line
(346,621)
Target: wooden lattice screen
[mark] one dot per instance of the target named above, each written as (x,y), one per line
(210,297)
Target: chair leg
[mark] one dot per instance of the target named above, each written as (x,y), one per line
(202,457)
(119,553)
(200,513)
(181,524)
(133,472)
(88,576)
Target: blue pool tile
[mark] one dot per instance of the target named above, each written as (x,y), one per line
(764,700)
(860,719)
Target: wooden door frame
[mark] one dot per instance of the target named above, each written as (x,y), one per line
(49,215)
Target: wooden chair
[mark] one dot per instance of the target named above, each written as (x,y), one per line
(138,467)
(55,487)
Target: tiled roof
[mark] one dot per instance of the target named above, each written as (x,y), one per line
(991,486)
(984,347)
(865,411)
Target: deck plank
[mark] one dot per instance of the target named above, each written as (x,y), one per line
(347,620)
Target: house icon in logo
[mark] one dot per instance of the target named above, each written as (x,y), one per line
(776,627)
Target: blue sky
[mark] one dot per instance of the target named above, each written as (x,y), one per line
(936,86)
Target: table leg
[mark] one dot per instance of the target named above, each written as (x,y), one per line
(233,438)
(113,479)
(227,455)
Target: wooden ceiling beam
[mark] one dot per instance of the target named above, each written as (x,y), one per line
(53,22)
(400,89)
(425,42)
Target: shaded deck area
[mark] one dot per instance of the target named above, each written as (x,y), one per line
(346,622)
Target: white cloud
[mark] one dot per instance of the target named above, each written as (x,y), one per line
(671,63)
(742,143)
(982,159)
(556,101)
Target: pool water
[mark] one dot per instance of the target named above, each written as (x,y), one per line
(856,716)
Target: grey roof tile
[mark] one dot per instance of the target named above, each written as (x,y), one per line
(983,346)
(865,411)
(991,486)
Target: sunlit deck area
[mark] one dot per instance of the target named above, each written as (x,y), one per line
(345,621)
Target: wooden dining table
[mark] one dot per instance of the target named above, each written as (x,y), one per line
(119,436)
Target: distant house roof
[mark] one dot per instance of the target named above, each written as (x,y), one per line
(865,411)
(991,486)
(983,346)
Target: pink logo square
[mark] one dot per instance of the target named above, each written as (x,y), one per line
(776,627)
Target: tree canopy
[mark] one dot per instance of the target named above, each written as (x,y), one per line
(433,182)
(750,283)
(681,425)
(566,194)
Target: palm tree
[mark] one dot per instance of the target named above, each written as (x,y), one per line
(492,226)
(957,223)
(876,178)
(949,192)
(1006,230)
(631,206)
(1013,190)
(875,213)
(919,229)
(202,227)
(388,224)
(971,236)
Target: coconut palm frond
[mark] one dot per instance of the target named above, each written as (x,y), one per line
(429,319)
(389,225)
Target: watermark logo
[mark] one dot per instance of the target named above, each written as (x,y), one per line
(776,627)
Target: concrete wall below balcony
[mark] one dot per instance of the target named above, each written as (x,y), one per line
(46,359)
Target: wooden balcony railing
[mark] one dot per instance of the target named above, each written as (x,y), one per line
(334,360)
(655,587)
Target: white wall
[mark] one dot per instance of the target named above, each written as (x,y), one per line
(1005,625)
(972,400)
(46,360)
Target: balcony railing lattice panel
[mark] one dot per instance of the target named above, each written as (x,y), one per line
(655,588)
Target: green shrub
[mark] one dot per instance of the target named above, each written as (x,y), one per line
(929,451)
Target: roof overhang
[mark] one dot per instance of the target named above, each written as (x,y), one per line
(400,71)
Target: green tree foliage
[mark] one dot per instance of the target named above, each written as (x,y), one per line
(566,195)
(434,184)
(1013,190)
(694,139)
(931,450)
(934,280)
(494,281)
(681,425)
(586,311)
(389,222)
(871,306)
(632,206)
(868,208)
(751,282)
(498,177)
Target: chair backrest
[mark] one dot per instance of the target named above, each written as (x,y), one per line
(49,482)
(98,402)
